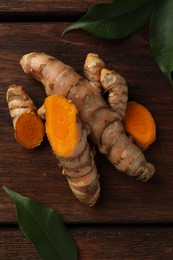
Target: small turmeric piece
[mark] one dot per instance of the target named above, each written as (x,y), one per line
(41,112)
(140,124)
(29,129)
(68,140)
(116,86)
(92,69)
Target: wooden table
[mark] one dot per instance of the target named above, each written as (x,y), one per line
(132,220)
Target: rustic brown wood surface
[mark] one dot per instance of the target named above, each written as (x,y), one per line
(99,243)
(50,5)
(35,173)
(53,9)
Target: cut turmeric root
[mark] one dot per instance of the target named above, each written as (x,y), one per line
(69,143)
(103,123)
(29,129)
(139,124)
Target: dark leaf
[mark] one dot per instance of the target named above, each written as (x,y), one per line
(44,227)
(116,19)
(161,37)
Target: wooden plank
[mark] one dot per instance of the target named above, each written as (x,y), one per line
(13,245)
(99,243)
(35,173)
(52,8)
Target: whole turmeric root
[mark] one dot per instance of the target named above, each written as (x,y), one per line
(102,123)
(68,140)
(29,129)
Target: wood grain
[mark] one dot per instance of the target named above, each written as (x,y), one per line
(51,9)
(93,243)
(35,173)
(131,220)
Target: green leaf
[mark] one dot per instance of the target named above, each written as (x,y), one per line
(161,37)
(44,227)
(116,19)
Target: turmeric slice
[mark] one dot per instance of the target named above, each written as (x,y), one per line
(61,127)
(140,124)
(68,140)
(29,129)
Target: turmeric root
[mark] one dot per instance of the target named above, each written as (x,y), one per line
(68,140)
(42,112)
(28,127)
(109,81)
(139,123)
(102,123)
(92,69)
(118,91)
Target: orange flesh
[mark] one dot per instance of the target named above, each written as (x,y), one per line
(139,123)
(29,130)
(61,125)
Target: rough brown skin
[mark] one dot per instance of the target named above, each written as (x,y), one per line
(92,69)
(108,81)
(139,123)
(29,129)
(68,140)
(41,112)
(116,86)
(102,122)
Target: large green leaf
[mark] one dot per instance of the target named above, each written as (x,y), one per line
(161,37)
(44,227)
(116,19)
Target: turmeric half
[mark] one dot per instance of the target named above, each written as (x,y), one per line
(68,140)
(29,129)
(140,124)
(103,123)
